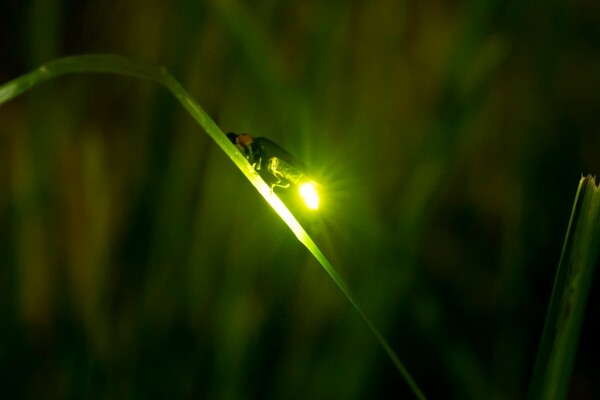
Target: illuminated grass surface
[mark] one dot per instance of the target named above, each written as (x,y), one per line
(125,66)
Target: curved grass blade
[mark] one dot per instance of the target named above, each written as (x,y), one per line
(558,346)
(124,66)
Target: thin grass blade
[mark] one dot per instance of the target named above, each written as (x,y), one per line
(125,66)
(558,346)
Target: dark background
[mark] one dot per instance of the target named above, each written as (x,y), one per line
(449,136)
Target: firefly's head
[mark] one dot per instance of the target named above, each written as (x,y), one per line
(242,139)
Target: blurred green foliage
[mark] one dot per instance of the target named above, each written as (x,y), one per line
(136,262)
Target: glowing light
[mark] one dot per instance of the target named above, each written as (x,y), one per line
(309,194)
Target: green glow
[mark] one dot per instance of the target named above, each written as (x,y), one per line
(309,194)
(93,63)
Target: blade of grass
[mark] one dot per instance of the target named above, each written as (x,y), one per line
(125,66)
(558,346)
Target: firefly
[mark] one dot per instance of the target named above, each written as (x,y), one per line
(276,166)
